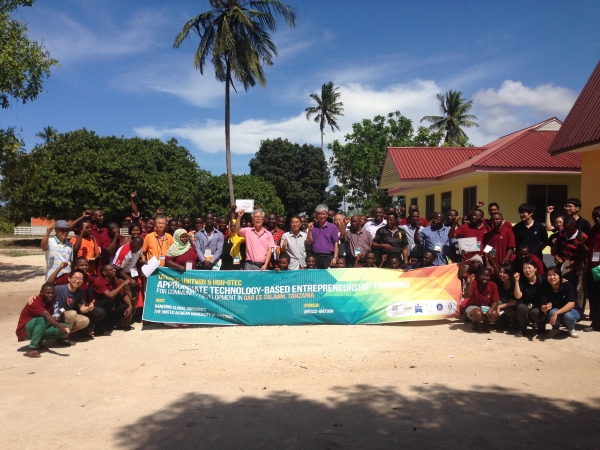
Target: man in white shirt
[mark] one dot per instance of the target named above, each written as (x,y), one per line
(378,221)
(294,244)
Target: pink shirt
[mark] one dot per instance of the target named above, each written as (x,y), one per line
(257,244)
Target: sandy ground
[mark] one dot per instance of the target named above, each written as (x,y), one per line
(419,385)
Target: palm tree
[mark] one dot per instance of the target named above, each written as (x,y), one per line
(235,35)
(49,134)
(454,110)
(327,109)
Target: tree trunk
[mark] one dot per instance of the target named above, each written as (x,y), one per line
(228,137)
(321,140)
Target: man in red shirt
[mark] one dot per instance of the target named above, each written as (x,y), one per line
(37,323)
(483,298)
(473,229)
(500,238)
(106,292)
(271,226)
(523,254)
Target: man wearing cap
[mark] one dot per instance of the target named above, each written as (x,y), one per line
(58,249)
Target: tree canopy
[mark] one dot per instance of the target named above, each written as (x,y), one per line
(455,115)
(23,63)
(327,109)
(298,172)
(235,34)
(358,163)
(81,170)
(216,199)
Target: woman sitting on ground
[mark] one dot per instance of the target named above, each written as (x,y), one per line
(558,301)
(527,292)
(181,254)
(482,294)
(505,280)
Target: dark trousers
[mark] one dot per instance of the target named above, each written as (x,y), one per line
(323,260)
(95,315)
(524,314)
(114,312)
(593,290)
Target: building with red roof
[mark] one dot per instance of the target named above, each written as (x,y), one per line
(511,170)
(580,134)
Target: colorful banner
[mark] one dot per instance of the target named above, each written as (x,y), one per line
(299,297)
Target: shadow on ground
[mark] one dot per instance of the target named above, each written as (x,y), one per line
(20,272)
(369,417)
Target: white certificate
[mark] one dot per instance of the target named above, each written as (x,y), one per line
(246,205)
(468,244)
(152,265)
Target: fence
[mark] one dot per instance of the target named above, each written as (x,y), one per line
(41,231)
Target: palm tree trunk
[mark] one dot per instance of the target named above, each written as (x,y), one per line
(321,140)
(227,136)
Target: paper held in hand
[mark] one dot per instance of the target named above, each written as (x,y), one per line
(468,244)
(246,205)
(152,265)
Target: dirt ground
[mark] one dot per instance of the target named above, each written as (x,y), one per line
(418,385)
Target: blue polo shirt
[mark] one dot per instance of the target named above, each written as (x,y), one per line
(437,242)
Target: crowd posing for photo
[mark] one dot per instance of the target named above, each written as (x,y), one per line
(94,282)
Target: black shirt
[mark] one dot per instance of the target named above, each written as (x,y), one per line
(531,292)
(584,225)
(535,237)
(560,298)
(506,295)
(396,239)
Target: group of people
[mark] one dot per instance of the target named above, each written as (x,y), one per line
(94,281)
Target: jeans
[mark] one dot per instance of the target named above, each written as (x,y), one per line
(524,314)
(568,319)
(37,330)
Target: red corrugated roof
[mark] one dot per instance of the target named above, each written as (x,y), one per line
(523,150)
(429,162)
(582,125)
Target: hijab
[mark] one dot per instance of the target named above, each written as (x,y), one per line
(178,248)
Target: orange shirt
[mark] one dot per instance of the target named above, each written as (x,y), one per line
(89,249)
(156,246)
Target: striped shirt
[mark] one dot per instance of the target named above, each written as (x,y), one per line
(57,253)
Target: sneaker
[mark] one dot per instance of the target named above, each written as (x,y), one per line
(65,342)
(474,326)
(573,334)
(552,334)
(519,334)
(588,329)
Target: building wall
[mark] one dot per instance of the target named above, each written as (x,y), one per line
(510,190)
(455,186)
(590,187)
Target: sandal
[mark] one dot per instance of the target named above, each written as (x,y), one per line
(42,348)
(31,353)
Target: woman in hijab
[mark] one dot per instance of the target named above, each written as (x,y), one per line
(181,254)
(233,250)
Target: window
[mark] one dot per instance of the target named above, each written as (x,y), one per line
(446,202)
(469,199)
(542,195)
(429,205)
(414,201)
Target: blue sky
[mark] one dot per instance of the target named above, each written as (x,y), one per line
(521,62)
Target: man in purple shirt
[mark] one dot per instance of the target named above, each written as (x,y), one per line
(324,237)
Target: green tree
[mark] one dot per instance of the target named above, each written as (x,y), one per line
(455,115)
(298,172)
(327,109)
(49,134)
(215,198)
(358,163)
(335,197)
(101,172)
(235,33)
(23,63)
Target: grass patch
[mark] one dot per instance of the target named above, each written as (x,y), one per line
(20,243)
(15,253)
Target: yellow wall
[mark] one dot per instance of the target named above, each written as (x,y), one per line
(454,185)
(590,187)
(508,190)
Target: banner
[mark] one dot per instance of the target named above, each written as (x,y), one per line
(299,297)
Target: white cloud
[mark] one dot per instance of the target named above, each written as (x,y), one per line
(414,100)
(69,39)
